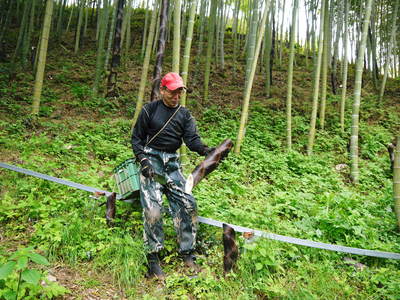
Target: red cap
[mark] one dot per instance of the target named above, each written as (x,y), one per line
(172,81)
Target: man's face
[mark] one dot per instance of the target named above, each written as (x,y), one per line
(171,98)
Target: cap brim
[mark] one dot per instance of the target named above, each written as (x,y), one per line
(174,86)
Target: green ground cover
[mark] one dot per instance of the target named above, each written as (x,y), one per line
(263,188)
(82,138)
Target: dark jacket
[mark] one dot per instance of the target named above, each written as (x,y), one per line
(182,127)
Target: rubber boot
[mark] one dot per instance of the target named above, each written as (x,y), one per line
(153,265)
(190,261)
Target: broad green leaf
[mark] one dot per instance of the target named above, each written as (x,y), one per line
(6,269)
(259,266)
(9,295)
(263,252)
(249,246)
(39,259)
(31,276)
(22,262)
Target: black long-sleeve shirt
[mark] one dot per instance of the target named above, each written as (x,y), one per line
(153,117)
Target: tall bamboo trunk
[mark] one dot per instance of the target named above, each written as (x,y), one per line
(79,26)
(247,93)
(210,41)
(268,48)
(235,28)
(188,46)
(217,33)
(307,40)
(325,62)
(336,52)
(155,40)
(112,33)
(124,24)
(177,36)
(155,91)
(354,172)
(389,52)
(273,42)
(116,54)
(22,32)
(6,22)
(311,133)
(252,40)
(290,78)
(128,31)
(146,25)
(27,40)
(185,64)
(146,62)
(100,48)
(224,10)
(345,64)
(396,181)
(282,36)
(37,92)
(70,18)
(203,10)
(84,35)
(372,41)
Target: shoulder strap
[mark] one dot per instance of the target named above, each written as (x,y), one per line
(165,125)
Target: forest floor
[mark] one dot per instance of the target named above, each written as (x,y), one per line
(82,138)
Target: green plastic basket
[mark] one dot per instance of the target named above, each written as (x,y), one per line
(126,176)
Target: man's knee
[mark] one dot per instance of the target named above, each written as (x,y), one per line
(152,215)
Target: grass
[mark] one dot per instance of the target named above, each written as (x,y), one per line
(82,138)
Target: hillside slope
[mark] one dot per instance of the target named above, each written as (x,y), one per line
(82,138)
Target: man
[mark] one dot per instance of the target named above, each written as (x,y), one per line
(157,135)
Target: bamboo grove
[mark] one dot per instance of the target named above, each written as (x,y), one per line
(328,35)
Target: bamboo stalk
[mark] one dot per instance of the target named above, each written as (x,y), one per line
(155,91)
(345,65)
(354,172)
(290,78)
(210,41)
(247,94)
(146,62)
(177,36)
(325,61)
(311,133)
(396,181)
(37,92)
(116,53)
(389,52)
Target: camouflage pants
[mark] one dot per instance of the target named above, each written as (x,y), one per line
(182,205)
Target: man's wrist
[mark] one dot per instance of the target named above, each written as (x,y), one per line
(140,157)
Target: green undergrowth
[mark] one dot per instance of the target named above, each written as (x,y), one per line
(265,188)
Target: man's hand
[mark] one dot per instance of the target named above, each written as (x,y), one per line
(146,168)
(208,150)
